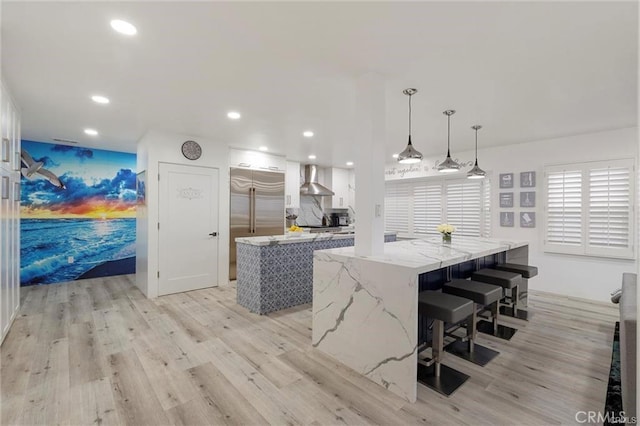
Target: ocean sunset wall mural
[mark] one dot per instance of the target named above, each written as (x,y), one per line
(78,208)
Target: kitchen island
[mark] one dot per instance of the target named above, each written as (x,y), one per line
(365,308)
(276,272)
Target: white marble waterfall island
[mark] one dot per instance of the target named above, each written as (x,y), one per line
(365,309)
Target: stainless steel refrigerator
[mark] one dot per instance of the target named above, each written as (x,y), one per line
(256,207)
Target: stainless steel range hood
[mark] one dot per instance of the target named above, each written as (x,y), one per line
(311,185)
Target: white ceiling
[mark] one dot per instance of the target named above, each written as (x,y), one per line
(525,71)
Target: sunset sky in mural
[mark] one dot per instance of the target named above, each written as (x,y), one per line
(98,184)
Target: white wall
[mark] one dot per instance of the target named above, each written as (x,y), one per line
(577,276)
(156,147)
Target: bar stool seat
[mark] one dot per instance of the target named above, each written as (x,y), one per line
(441,308)
(485,295)
(504,279)
(444,307)
(481,293)
(526,271)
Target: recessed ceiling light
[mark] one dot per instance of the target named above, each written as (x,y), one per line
(263,148)
(123,27)
(233,115)
(349,163)
(395,155)
(307,134)
(91,132)
(312,157)
(100,99)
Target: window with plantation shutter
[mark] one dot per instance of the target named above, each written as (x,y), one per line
(397,199)
(464,206)
(486,210)
(427,208)
(589,209)
(564,208)
(415,208)
(610,209)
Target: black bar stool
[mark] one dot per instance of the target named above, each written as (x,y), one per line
(506,280)
(442,308)
(487,296)
(527,272)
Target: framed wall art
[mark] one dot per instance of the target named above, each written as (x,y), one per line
(506,180)
(506,219)
(527,220)
(528,199)
(527,180)
(506,199)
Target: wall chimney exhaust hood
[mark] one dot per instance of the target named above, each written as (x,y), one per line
(311,185)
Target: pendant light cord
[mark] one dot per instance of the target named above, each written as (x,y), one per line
(448,135)
(410,115)
(476,146)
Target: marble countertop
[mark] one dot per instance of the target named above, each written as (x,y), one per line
(427,254)
(295,237)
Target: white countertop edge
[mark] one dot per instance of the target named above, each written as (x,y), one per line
(425,255)
(303,237)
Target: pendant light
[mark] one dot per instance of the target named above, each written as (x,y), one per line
(476,172)
(448,165)
(409,155)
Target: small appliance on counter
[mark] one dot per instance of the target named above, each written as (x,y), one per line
(339,219)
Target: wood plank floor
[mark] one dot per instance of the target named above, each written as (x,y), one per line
(97,352)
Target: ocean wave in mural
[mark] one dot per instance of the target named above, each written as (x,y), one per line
(48,245)
(82,223)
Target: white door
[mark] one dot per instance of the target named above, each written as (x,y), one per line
(188,228)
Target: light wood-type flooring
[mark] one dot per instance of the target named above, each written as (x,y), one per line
(97,352)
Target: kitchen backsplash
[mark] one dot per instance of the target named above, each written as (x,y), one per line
(310,212)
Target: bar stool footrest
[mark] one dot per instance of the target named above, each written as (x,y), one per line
(448,381)
(481,355)
(521,314)
(504,332)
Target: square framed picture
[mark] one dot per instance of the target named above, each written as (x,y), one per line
(527,219)
(527,180)
(506,180)
(506,219)
(528,199)
(506,199)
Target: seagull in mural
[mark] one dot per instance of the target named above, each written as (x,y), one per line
(35,167)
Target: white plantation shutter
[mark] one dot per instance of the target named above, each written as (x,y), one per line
(486,208)
(464,206)
(427,207)
(589,209)
(397,199)
(609,219)
(417,207)
(564,207)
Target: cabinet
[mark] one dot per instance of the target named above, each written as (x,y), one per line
(337,180)
(292,185)
(9,212)
(256,160)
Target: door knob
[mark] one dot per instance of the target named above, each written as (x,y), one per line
(214,234)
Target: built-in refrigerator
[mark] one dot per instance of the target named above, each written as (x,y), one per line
(256,207)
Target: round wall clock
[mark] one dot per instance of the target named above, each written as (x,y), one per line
(191,150)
